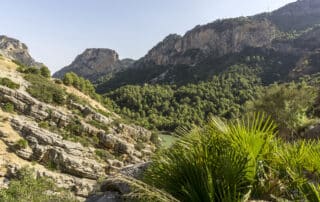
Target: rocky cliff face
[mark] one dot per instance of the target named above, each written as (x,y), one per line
(217,39)
(298,15)
(94,63)
(16,50)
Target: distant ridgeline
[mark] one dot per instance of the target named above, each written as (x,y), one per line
(212,70)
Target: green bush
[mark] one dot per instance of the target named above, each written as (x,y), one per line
(21,144)
(83,85)
(99,125)
(26,187)
(104,154)
(45,72)
(288,104)
(8,107)
(58,81)
(155,138)
(44,124)
(9,83)
(45,90)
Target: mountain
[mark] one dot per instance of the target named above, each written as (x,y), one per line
(209,49)
(16,50)
(94,63)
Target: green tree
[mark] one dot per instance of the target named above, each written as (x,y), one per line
(287,104)
(68,79)
(45,72)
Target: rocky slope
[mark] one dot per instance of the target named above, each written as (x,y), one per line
(72,165)
(94,63)
(16,50)
(289,32)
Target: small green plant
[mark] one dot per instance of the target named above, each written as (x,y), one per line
(99,125)
(44,124)
(9,83)
(21,144)
(25,186)
(8,107)
(104,154)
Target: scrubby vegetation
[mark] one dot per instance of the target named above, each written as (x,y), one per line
(237,161)
(7,107)
(45,90)
(84,85)
(9,83)
(43,70)
(288,104)
(25,186)
(21,144)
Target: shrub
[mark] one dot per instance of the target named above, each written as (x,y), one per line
(155,138)
(58,81)
(9,83)
(83,85)
(99,125)
(21,144)
(44,124)
(8,107)
(26,187)
(287,104)
(45,72)
(104,154)
(45,90)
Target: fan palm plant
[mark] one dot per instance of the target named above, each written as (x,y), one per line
(215,163)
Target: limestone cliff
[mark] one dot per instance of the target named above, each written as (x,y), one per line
(217,39)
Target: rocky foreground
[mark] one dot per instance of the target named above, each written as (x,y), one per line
(24,141)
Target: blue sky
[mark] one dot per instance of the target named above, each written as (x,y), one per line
(56,31)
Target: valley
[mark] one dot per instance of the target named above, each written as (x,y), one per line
(228,111)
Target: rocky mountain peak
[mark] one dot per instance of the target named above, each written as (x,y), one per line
(217,38)
(99,55)
(94,63)
(16,50)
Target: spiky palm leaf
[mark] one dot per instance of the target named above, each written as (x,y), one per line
(215,163)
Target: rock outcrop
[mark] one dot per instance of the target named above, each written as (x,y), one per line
(94,63)
(38,134)
(217,39)
(50,149)
(16,50)
(298,15)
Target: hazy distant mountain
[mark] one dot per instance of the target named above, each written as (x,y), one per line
(95,63)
